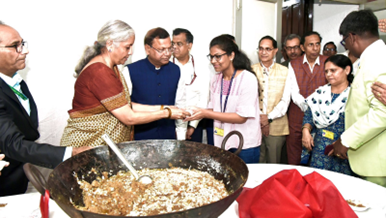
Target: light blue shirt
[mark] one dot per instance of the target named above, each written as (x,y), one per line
(14,82)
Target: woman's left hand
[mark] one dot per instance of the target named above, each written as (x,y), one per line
(196,113)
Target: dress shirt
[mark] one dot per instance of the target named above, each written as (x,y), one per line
(197,93)
(297,98)
(181,126)
(282,107)
(14,82)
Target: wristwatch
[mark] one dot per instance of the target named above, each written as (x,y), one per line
(270,120)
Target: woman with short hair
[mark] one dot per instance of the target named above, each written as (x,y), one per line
(101,103)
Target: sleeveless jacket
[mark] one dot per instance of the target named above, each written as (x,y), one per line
(154,87)
(277,81)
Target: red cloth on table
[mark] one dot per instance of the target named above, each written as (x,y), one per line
(289,194)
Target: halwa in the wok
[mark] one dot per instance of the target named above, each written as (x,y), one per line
(173,189)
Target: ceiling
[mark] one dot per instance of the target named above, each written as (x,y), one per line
(375,5)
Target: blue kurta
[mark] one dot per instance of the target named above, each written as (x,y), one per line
(318,158)
(154,87)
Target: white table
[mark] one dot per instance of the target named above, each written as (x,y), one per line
(27,205)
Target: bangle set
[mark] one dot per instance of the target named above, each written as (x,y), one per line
(310,129)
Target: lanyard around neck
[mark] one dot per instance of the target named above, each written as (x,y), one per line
(21,95)
(193,65)
(228,92)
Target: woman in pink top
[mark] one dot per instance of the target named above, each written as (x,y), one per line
(234,99)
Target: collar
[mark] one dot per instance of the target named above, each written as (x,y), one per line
(317,61)
(373,48)
(153,67)
(11,81)
(265,69)
(177,62)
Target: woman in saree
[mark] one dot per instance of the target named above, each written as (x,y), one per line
(101,103)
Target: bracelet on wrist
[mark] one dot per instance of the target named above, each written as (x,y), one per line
(310,129)
(169,112)
(162,107)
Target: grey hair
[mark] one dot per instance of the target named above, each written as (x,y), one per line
(290,37)
(115,30)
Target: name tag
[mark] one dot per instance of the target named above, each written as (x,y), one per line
(328,134)
(219,131)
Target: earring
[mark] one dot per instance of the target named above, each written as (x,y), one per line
(110,49)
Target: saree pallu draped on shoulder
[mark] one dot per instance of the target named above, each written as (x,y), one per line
(85,127)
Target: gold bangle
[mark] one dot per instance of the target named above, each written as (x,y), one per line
(162,107)
(169,111)
(310,129)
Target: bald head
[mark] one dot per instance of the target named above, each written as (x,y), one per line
(7,34)
(10,59)
(1,23)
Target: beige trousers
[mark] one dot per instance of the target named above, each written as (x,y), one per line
(271,148)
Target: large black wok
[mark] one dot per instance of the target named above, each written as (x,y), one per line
(223,165)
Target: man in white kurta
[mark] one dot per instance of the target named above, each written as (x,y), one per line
(196,78)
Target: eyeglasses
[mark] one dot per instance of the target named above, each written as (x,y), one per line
(178,44)
(343,41)
(329,49)
(217,57)
(18,47)
(165,50)
(261,49)
(288,48)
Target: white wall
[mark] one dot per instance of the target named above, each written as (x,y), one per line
(58,31)
(327,20)
(258,20)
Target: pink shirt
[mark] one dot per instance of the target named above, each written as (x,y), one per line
(243,100)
